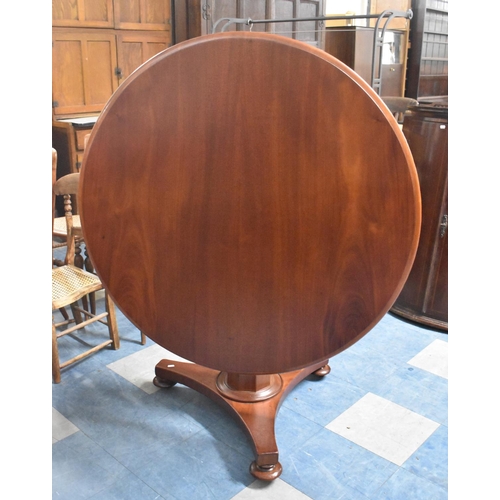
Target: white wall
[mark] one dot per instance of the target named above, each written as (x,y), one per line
(343,6)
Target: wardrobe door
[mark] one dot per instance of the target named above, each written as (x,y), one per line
(83,70)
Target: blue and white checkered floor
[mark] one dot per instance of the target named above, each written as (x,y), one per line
(376,427)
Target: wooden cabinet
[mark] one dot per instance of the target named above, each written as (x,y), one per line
(424,297)
(353,45)
(96,44)
(82,13)
(83,70)
(117,14)
(379,6)
(135,48)
(68,139)
(142,15)
(428,54)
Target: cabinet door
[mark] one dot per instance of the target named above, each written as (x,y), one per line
(436,297)
(142,14)
(83,71)
(424,297)
(82,13)
(135,48)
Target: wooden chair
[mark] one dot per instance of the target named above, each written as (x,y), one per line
(70,284)
(59,237)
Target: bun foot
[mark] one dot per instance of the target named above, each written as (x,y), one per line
(321,372)
(266,472)
(163,384)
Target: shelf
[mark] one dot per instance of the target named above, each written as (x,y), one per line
(444,59)
(427,32)
(437,10)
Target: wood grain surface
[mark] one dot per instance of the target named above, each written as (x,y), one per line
(249,202)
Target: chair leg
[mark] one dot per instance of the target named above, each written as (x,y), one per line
(90,268)
(143,338)
(112,324)
(64,313)
(56,370)
(76,313)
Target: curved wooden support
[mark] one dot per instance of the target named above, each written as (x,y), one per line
(242,396)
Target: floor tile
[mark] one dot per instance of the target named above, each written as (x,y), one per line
(329,466)
(385,428)
(321,400)
(61,427)
(138,442)
(139,367)
(404,485)
(434,358)
(430,461)
(200,467)
(275,490)
(81,468)
(419,391)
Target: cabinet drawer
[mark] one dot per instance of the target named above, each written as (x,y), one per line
(80,138)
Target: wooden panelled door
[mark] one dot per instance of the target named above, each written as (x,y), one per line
(83,70)
(96,44)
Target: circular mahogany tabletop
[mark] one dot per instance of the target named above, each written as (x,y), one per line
(249,202)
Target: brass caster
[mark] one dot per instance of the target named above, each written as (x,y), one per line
(321,372)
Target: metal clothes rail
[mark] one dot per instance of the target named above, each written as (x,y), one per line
(378,33)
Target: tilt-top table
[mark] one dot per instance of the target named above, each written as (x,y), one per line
(251,205)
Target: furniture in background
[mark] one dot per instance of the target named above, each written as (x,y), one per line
(193,18)
(255,254)
(70,283)
(399,106)
(68,139)
(353,45)
(427,73)
(424,297)
(96,44)
(60,230)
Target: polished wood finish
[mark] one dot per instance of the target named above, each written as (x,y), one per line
(264,201)
(255,416)
(424,297)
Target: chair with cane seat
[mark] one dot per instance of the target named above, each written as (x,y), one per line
(70,284)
